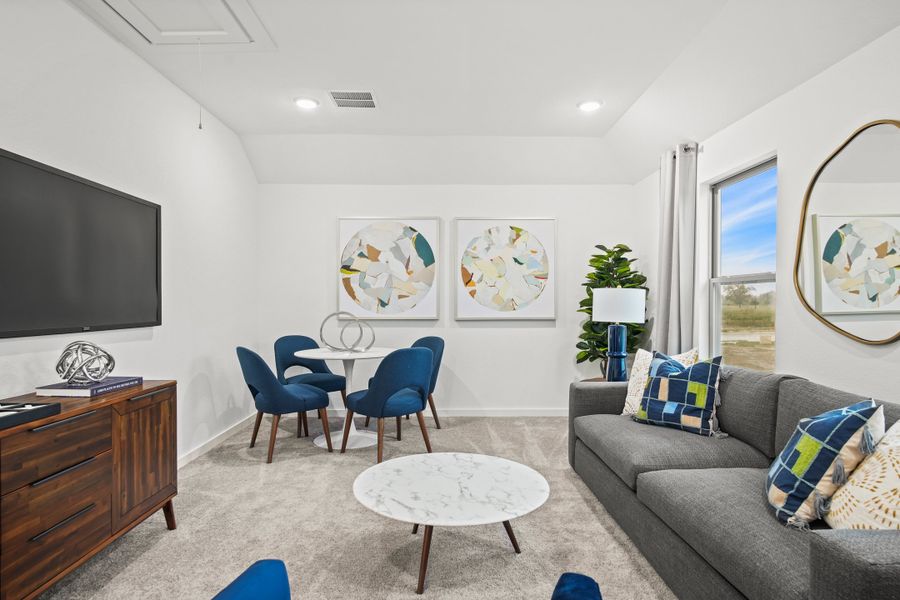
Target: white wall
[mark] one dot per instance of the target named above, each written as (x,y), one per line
(803,127)
(489,367)
(77,100)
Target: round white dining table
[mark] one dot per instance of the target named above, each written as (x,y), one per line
(357,438)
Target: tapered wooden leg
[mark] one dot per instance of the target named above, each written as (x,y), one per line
(347,423)
(169,512)
(512,536)
(415,528)
(306,425)
(407,417)
(367,421)
(299,424)
(323,414)
(424,430)
(259,416)
(275,419)
(380,439)
(344,397)
(423,565)
(437,421)
(399,421)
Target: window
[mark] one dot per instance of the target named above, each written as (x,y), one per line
(742,284)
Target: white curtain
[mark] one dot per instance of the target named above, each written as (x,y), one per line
(673,329)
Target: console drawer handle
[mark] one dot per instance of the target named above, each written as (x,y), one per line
(63,422)
(63,472)
(65,521)
(142,396)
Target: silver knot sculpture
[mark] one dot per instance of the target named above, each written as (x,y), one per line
(356,344)
(83,363)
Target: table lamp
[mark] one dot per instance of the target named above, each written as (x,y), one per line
(617,306)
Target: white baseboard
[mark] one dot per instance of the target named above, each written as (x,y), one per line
(212,443)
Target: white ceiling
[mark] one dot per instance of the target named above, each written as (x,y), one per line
(668,71)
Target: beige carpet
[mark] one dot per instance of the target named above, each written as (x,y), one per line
(233,509)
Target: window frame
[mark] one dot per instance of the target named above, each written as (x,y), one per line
(716,280)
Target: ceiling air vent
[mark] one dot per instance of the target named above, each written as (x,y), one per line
(353,99)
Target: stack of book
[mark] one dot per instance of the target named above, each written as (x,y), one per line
(69,390)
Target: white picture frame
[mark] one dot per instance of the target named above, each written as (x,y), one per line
(466,308)
(428,307)
(826,301)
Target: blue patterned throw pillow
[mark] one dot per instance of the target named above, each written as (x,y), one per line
(820,455)
(684,399)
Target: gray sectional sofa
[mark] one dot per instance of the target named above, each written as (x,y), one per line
(696,506)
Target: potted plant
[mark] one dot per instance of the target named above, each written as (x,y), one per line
(610,268)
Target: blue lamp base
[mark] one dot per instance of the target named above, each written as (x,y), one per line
(616,370)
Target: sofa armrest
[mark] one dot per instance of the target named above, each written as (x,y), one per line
(846,564)
(594,398)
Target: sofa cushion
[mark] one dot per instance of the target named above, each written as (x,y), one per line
(630,448)
(724,516)
(801,399)
(750,406)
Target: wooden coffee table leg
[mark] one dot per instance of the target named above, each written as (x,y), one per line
(512,536)
(423,566)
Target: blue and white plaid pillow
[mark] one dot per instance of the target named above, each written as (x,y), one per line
(820,455)
(683,399)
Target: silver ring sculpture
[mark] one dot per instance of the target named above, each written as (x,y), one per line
(82,363)
(361,326)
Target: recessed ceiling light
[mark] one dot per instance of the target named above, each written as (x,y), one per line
(589,105)
(306,103)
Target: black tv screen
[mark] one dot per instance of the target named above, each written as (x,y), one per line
(74,255)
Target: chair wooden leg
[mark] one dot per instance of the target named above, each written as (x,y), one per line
(259,417)
(415,528)
(323,414)
(421,417)
(367,421)
(344,397)
(306,425)
(300,424)
(347,423)
(399,421)
(380,439)
(437,421)
(407,417)
(275,419)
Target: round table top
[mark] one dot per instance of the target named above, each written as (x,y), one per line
(451,489)
(329,354)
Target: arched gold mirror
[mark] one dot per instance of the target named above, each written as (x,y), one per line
(847,266)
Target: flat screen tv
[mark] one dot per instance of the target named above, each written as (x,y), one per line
(74,255)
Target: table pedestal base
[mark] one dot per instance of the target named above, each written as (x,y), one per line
(356,439)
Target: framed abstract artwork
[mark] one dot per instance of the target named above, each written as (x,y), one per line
(504,269)
(857,267)
(388,267)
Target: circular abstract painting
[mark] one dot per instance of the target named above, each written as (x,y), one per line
(505,268)
(387,267)
(860,263)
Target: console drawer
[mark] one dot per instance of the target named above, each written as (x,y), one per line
(36,453)
(53,522)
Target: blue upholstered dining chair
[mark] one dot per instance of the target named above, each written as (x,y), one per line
(319,374)
(276,399)
(263,580)
(400,387)
(436,345)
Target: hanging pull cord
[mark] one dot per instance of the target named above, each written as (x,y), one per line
(200,78)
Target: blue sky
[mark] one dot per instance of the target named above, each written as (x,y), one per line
(748,224)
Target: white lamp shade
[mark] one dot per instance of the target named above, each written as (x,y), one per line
(619,305)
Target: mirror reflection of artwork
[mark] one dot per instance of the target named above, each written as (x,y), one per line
(505,269)
(846,266)
(860,263)
(388,268)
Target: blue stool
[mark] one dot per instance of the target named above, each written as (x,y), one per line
(263,580)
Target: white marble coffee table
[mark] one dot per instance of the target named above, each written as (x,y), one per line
(451,489)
